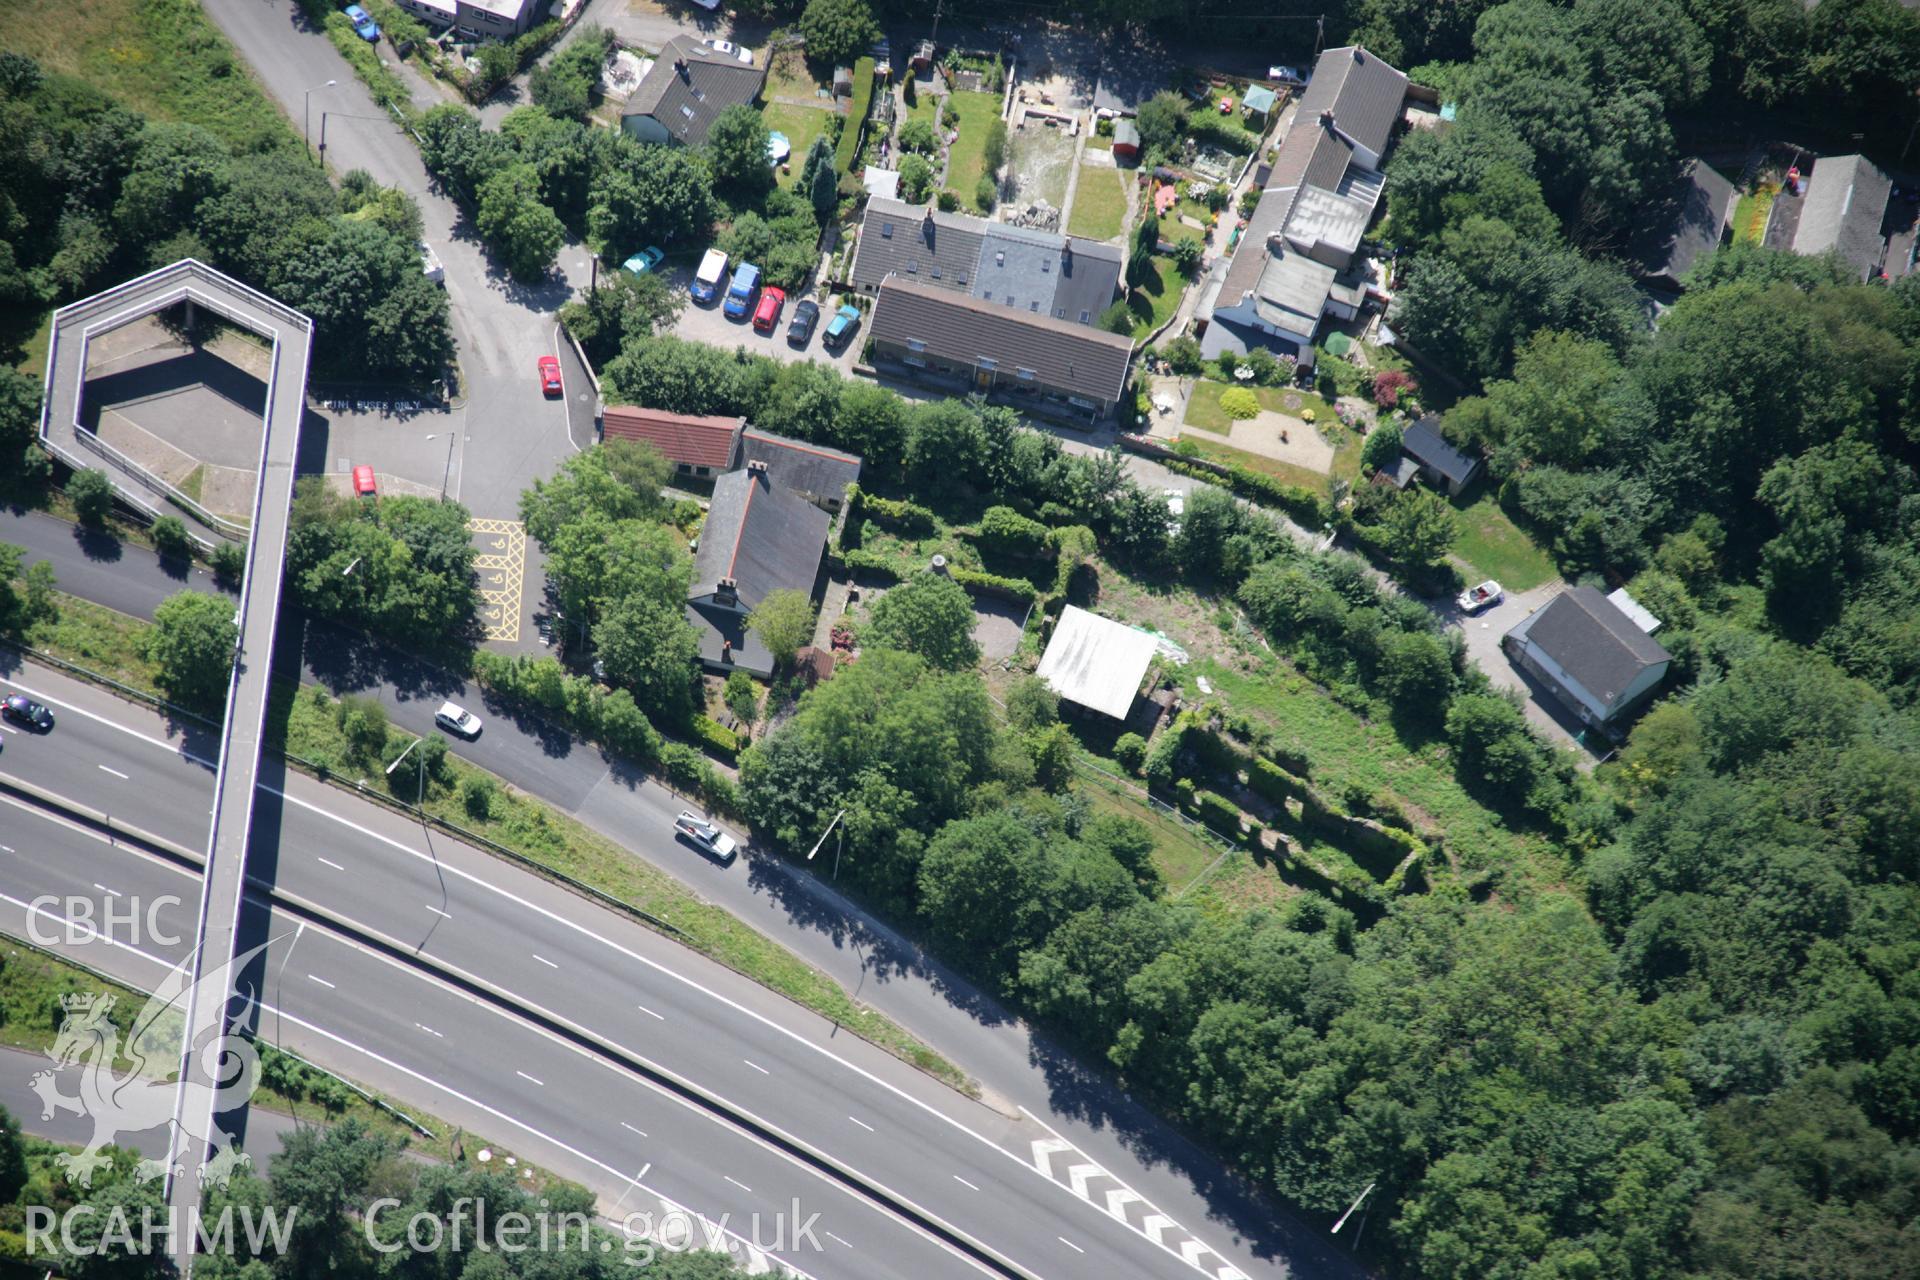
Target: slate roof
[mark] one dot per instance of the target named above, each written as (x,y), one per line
(1687,225)
(1067,357)
(1096,662)
(1427,446)
(1594,642)
(686,438)
(764,537)
(686,103)
(1845,205)
(1364,94)
(1044,272)
(799,465)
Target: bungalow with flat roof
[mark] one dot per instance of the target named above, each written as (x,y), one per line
(1845,212)
(1042,273)
(1440,464)
(997,346)
(1591,653)
(1295,263)
(758,539)
(685,90)
(696,445)
(1693,220)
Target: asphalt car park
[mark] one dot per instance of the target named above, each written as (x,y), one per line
(704,323)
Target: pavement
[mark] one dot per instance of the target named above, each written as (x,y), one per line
(507,431)
(1015,1065)
(374,896)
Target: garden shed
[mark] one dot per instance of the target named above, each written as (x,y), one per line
(1096,662)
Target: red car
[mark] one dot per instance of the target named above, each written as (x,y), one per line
(363,486)
(766,317)
(550,376)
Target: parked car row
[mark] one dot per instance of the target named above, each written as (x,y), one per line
(745,299)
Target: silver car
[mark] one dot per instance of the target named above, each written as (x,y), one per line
(704,835)
(456,719)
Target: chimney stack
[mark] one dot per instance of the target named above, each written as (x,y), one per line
(758,469)
(727,591)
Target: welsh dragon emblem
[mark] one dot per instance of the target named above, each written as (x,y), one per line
(143,1099)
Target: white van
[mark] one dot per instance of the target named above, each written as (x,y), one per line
(430,265)
(706,281)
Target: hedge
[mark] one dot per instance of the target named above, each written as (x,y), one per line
(1274,783)
(1304,505)
(715,736)
(1218,812)
(847,153)
(1164,751)
(870,562)
(1006,531)
(906,515)
(992,584)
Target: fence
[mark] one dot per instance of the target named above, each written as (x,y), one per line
(1206,833)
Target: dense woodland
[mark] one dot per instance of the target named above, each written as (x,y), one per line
(92,194)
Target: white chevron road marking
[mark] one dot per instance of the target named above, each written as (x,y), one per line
(1080,1174)
(1157,1225)
(1044,1149)
(1119,1199)
(1192,1250)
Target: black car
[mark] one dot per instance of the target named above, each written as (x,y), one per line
(805,317)
(24,710)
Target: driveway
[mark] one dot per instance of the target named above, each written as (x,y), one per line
(1483,633)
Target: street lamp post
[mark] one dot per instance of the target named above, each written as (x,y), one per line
(306,116)
(420,793)
(838,845)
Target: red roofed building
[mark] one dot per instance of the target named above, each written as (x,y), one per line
(697,446)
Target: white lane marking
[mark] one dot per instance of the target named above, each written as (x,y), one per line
(863,1124)
(524,1076)
(111,893)
(1070,1244)
(514,1121)
(115,772)
(7,847)
(756,1066)
(565,922)
(322,981)
(503,1117)
(963,1182)
(429,1030)
(832,1236)
(736,1182)
(8,728)
(625,1125)
(331,863)
(543,960)
(437,911)
(642,1008)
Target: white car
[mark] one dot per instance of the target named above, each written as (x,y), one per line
(730,48)
(1484,596)
(1176,507)
(1286,75)
(456,719)
(704,834)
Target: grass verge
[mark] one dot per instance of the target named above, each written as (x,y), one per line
(1494,547)
(306,724)
(1099,204)
(32,983)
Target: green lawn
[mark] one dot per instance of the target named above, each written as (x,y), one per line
(1494,547)
(1099,204)
(801,125)
(1285,472)
(966,161)
(1204,411)
(1154,302)
(1178,851)
(788,76)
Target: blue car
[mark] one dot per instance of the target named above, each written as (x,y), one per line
(746,283)
(363,24)
(841,327)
